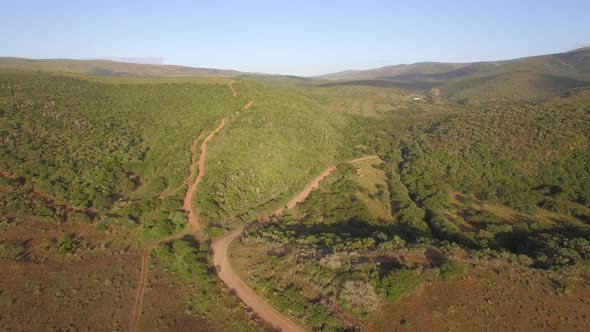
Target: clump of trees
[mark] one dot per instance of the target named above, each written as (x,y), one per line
(359,297)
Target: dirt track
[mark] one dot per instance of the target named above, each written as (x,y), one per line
(245,293)
(306,191)
(135,314)
(193,222)
(233,91)
(311,186)
(233,281)
(361,159)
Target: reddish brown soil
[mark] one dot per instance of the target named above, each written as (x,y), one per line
(233,280)
(135,314)
(8,175)
(503,299)
(51,291)
(245,293)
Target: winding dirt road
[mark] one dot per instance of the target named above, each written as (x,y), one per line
(232,280)
(306,191)
(193,226)
(245,293)
(221,245)
(193,221)
(233,91)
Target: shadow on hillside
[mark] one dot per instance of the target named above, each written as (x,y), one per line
(352,228)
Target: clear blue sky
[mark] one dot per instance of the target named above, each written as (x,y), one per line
(292,37)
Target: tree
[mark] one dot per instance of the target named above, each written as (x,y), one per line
(359,297)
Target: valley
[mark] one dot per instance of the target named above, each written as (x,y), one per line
(399,198)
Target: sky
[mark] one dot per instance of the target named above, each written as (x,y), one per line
(291,37)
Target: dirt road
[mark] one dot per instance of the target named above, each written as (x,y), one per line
(233,281)
(247,106)
(233,91)
(311,186)
(306,191)
(245,293)
(197,165)
(361,159)
(135,314)
(193,221)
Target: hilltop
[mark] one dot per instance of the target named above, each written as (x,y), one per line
(110,68)
(549,71)
(574,62)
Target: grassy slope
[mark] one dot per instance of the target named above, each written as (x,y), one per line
(74,140)
(270,151)
(107,67)
(508,87)
(503,154)
(290,134)
(509,80)
(145,128)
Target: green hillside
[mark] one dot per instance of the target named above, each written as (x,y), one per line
(109,68)
(476,185)
(107,150)
(509,87)
(516,79)
(262,168)
(501,188)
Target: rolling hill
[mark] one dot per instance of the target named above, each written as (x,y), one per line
(552,72)
(109,68)
(467,207)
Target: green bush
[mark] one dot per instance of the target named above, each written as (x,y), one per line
(101,227)
(400,283)
(67,244)
(451,270)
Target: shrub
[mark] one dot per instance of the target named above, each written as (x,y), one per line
(101,227)
(359,297)
(400,284)
(67,244)
(451,270)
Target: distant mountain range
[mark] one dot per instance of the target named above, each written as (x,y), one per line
(110,68)
(532,77)
(573,62)
(495,81)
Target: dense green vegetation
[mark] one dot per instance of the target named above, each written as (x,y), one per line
(75,150)
(339,254)
(492,165)
(252,170)
(521,156)
(189,262)
(505,181)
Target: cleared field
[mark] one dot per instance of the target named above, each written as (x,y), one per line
(373,189)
